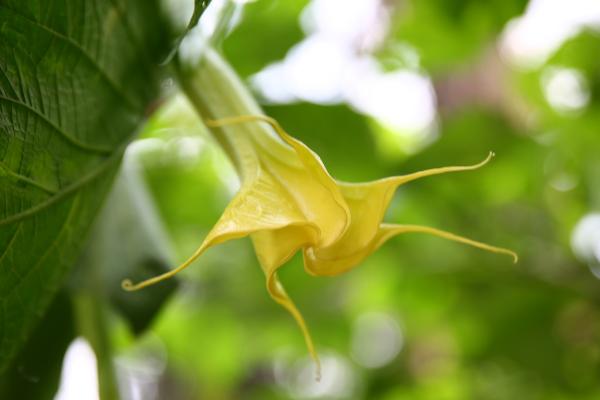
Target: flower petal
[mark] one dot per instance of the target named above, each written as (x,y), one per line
(260,205)
(300,172)
(367,203)
(387,231)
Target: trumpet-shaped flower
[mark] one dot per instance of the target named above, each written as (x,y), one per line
(288,202)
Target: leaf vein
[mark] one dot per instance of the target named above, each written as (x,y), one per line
(59,195)
(56,240)
(10,242)
(26,179)
(8,80)
(85,54)
(69,138)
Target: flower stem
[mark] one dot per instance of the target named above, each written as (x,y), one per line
(216,92)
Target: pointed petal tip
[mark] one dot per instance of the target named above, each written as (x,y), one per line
(318,369)
(318,374)
(508,252)
(489,157)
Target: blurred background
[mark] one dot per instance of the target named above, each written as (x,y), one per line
(379,88)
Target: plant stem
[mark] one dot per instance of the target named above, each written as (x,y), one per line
(216,92)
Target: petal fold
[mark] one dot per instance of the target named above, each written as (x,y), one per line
(367,203)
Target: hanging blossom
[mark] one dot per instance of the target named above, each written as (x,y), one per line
(288,202)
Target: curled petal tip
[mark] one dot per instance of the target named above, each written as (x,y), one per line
(511,253)
(515,257)
(127,285)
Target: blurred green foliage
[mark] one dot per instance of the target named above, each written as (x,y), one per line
(467,324)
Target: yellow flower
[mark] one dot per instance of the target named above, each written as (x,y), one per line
(288,201)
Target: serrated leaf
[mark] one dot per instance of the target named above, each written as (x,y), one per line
(76,79)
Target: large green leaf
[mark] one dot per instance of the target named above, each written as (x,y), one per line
(76,79)
(35,372)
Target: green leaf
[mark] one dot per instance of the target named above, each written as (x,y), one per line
(76,79)
(37,368)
